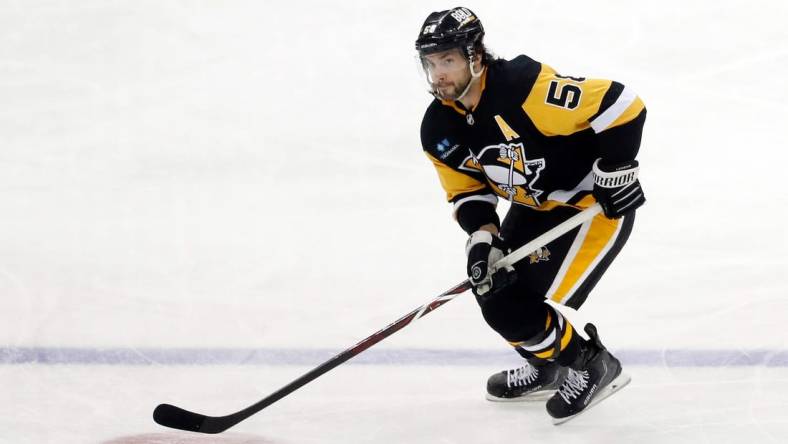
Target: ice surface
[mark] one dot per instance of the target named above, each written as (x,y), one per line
(201,201)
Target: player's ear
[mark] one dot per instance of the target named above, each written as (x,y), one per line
(477,61)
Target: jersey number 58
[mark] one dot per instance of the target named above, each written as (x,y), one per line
(565,95)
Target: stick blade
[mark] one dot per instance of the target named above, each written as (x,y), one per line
(178,418)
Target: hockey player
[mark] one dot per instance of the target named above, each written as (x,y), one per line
(551,145)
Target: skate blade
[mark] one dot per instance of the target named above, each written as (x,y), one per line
(617,384)
(541,395)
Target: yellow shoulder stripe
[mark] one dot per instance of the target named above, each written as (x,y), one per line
(454,182)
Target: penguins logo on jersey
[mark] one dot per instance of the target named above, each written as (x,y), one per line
(509,172)
(540,255)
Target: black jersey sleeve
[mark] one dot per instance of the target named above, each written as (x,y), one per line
(620,132)
(466,188)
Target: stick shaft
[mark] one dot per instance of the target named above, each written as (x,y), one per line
(549,236)
(175,417)
(355,350)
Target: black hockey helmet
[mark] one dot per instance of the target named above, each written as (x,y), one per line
(454,28)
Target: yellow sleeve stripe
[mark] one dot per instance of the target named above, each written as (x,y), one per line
(625,108)
(454,182)
(633,111)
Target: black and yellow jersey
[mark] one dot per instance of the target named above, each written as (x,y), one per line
(531,139)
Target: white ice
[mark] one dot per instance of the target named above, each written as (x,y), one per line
(248,175)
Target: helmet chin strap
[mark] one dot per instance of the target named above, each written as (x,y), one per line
(474,76)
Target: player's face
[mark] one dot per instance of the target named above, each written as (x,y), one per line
(447,73)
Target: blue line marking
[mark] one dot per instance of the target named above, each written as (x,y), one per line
(401,356)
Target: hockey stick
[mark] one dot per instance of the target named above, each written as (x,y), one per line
(178,418)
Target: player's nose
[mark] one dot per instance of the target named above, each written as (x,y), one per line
(439,75)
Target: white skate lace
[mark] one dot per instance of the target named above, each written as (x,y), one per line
(574,384)
(521,376)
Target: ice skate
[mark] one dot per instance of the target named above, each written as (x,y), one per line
(593,377)
(527,383)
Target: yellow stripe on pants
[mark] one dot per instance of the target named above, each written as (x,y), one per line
(598,240)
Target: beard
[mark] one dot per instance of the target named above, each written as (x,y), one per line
(450,91)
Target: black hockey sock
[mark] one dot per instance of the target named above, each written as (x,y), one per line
(557,342)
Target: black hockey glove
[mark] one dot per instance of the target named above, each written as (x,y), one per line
(484,249)
(617,188)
